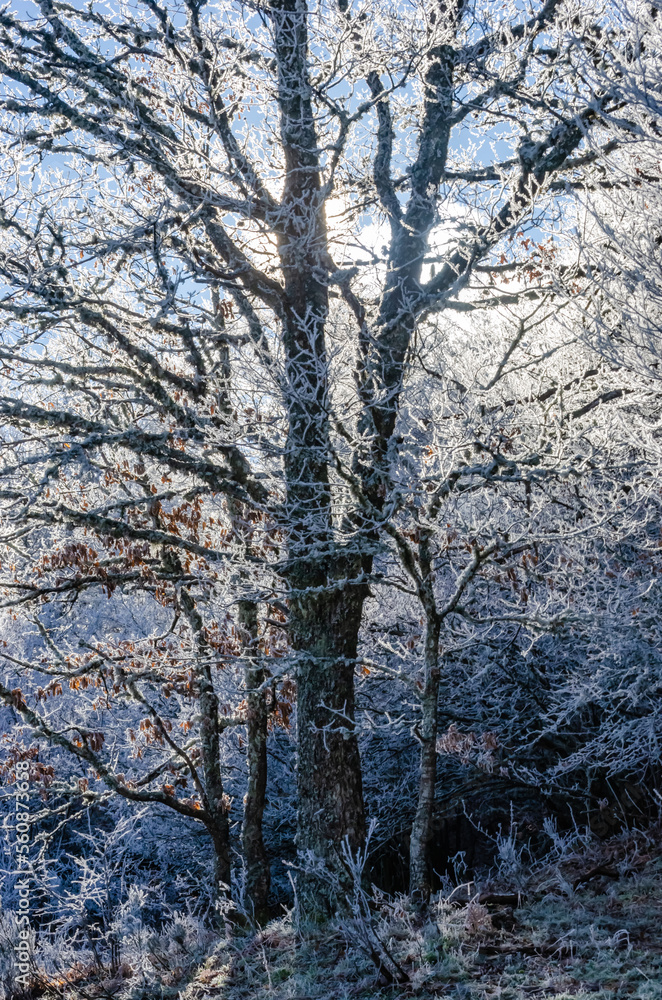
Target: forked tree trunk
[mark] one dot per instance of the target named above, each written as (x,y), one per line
(423,826)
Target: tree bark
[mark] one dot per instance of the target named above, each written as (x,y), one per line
(422,827)
(325,613)
(330,793)
(258,877)
(219,833)
(256,860)
(215,803)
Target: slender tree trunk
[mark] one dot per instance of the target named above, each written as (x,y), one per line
(215,801)
(422,828)
(258,878)
(219,833)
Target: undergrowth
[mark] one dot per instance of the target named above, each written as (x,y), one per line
(585,922)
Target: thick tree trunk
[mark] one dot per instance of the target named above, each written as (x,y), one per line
(330,795)
(258,877)
(325,617)
(324,614)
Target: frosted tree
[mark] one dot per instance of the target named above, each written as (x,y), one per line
(520,564)
(188,189)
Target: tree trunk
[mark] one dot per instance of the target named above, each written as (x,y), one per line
(324,614)
(324,622)
(258,878)
(220,838)
(325,617)
(330,794)
(215,802)
(422,828)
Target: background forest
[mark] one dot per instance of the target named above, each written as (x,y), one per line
(330,472)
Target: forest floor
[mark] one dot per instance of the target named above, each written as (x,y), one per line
(588,924)
(585,921)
